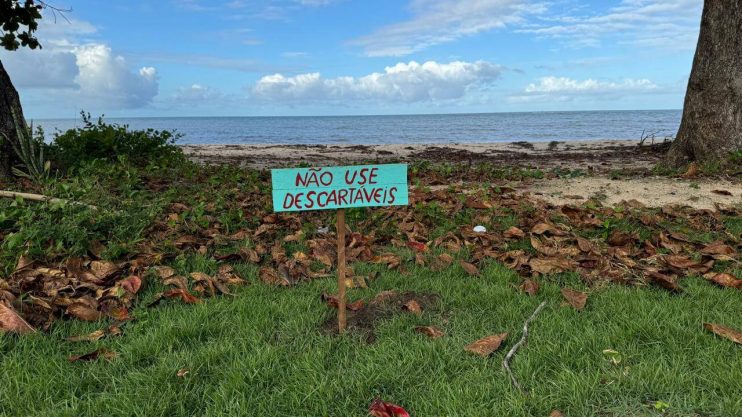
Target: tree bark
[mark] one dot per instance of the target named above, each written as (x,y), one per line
(10,103)
(711,127)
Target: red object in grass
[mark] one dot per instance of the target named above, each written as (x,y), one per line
(379,408)
(418,246)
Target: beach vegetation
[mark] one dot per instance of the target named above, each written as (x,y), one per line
(98,140)
(179,283)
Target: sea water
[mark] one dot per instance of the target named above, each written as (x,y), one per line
(401,129)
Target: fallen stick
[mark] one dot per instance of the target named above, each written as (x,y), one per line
(511,353)
(40,197)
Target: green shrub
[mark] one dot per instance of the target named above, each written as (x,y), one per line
(112,142)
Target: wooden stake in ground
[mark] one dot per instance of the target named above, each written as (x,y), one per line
(341,269)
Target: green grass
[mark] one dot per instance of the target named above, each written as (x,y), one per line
(262,353)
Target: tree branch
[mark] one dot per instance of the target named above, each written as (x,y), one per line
(509,356)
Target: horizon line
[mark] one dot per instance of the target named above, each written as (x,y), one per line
(353,115)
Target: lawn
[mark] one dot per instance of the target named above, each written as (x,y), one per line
(263,352)
(132,207)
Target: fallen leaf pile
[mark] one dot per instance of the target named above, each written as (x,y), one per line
(629,244)
(93,289)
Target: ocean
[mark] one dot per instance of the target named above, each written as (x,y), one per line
(402,129)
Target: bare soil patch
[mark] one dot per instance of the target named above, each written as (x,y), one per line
(384,306)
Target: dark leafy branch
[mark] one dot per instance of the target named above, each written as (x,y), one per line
(19,20)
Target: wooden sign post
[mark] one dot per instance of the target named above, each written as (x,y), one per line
(301,189)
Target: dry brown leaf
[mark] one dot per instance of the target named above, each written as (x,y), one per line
(391,260)
(620,238)
(334,302)
(270,276)
(176,281)
(441,262)
(544,228)
(294,237)
(665,281)
(104,269)
(576,299)
(355,305)
(721,192)
(184,295)
(249,255)
(356,282)
(430,331)
(551,265)
(725,332)
(469,268)
(725,280)
(23,263)
(585,245)
(683,264)
(182,372)
(92,337)
(84,312)
(477,204)
(132,284)
(418,246)
(165,272)
(11,322)
(717,248)
(529,287)
(514,233)
(484,347)
(119,313)
(98,353)
(667,243)
(413,307)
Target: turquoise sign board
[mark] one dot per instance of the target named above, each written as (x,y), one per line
(299,189)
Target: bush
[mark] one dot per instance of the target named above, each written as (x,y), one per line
(112,142)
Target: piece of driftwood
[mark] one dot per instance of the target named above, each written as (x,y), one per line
(511,353)
(40,197)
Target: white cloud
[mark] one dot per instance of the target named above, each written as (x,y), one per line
(196,94)
(439,21)
(656,23)
(82,72)
(106,77)
(564,85)
(404,82)
(42,69)
(564,89)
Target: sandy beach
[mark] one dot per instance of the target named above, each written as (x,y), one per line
(597,159)
(603,155)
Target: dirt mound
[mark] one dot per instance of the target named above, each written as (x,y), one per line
(384,306)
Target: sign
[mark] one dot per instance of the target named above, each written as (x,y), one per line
(300,189)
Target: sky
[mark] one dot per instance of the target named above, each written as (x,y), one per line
(136,58)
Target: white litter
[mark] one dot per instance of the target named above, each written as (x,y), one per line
(480,229)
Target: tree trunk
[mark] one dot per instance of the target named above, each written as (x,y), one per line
(10,103)
(711,127)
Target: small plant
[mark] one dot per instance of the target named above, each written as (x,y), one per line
(114,143)
(661,406)
(30,150)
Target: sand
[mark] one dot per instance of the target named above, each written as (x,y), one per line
(600,155)
(650,191)
(599,160)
